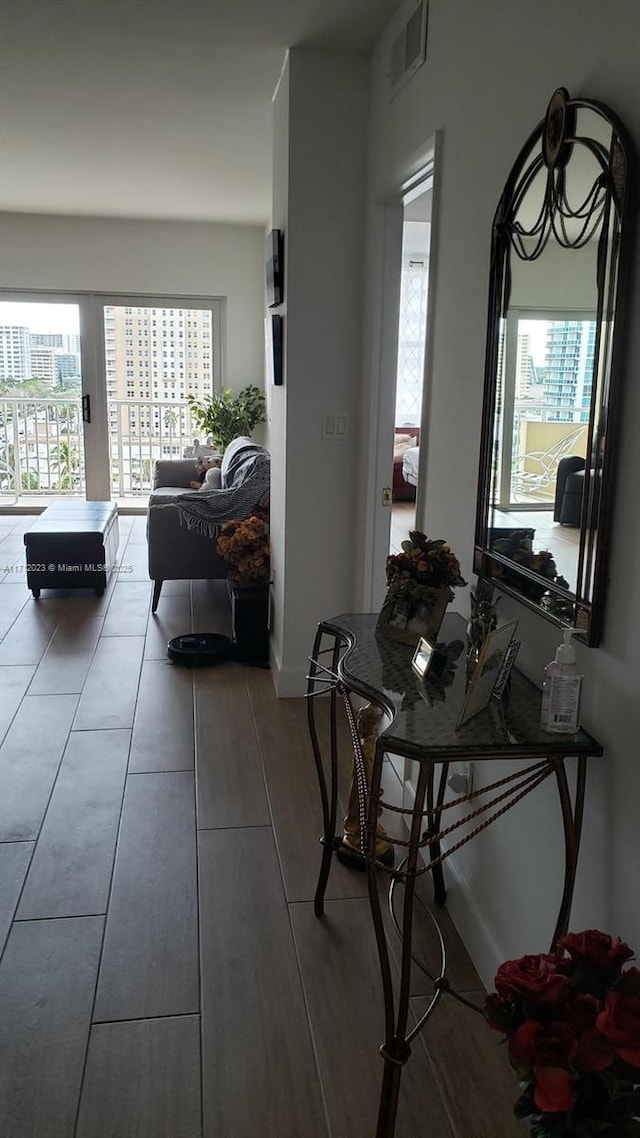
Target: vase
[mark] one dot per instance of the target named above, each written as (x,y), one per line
(250,623)
(406,620)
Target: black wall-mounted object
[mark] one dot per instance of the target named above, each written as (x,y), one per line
(277,341)
(275,268)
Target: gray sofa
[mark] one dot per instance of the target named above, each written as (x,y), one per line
(177,553)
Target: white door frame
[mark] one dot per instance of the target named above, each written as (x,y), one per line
(388,222)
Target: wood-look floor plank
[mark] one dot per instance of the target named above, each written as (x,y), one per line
(342,985)
(13,598)
(14,863)
(163,736)
(229,779)
(29,761)
(64,666)
(294,796)
(47,981)
(129,609)
(108,699)
(150,958)
(135,563)
(71,869)
(471,1069)
(27,639)
(142,1079)
(14,681)
(173,618)
(258,1065)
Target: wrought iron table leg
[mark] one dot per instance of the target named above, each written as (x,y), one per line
(572,825)
(434,816)
(329,796)
(395,1050)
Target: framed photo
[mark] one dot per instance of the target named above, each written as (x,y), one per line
(422,656)
(487,671)
(275,268)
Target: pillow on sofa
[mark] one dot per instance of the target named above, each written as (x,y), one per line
(212,479)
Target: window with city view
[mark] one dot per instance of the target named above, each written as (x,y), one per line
(547,375)
(155,355)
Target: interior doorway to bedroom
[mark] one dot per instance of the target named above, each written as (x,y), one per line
(409,380)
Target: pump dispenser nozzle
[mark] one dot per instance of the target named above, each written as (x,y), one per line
(565,652)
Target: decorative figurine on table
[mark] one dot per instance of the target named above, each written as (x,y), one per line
(483,620)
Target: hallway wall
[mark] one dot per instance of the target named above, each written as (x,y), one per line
(489,72)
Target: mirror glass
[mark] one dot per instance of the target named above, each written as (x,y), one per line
(555,308)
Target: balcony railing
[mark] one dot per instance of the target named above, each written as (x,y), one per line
(42,445)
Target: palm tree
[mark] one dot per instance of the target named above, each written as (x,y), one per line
(66,461)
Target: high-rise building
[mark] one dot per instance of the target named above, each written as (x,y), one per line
(157,356)
(43,365)
(569,362)
(15,354)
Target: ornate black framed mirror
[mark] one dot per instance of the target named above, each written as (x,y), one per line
(560,254)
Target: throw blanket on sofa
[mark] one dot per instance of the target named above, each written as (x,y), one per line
(246,489)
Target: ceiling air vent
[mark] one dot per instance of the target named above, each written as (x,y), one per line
(408,48)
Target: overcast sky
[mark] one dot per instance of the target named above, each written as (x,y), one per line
(41,317)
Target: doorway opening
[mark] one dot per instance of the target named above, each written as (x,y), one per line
(409,381)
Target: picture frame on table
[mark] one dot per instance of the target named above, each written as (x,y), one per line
(487,671)
(422,656)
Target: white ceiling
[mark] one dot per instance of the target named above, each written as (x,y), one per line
(154,108)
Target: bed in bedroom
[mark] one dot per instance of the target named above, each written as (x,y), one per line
(410,463)
(405,439)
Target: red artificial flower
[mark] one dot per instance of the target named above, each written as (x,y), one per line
(553,1089)
(535,1045)
(594,1053)
(581,1011)
(534,978)
(592,947)
(619,1022)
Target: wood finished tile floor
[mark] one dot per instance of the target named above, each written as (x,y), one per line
(162,974)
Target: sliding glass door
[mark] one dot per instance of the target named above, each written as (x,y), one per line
(93,389)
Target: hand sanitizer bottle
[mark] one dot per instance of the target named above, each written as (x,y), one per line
(561,688)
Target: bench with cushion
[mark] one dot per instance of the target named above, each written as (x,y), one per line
(72,545)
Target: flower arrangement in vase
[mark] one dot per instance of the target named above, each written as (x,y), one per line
(244,545)
(419,584)
(572,1024)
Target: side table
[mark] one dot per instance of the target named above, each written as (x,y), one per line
(350,658)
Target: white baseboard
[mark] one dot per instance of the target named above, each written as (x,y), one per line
(288,684)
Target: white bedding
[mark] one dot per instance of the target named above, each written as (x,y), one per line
(410,463)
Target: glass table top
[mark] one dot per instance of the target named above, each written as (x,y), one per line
(426,710)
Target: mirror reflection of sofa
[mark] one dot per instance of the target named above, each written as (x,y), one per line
(569,490)
(178,553)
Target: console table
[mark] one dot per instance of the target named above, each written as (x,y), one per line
(350,658)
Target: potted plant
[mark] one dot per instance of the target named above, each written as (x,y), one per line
(419,583)
(226,414)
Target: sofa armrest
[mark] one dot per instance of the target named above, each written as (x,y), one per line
(569,465)
(174,472)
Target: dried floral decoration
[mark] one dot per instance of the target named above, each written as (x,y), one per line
(244,545)
(423,564)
